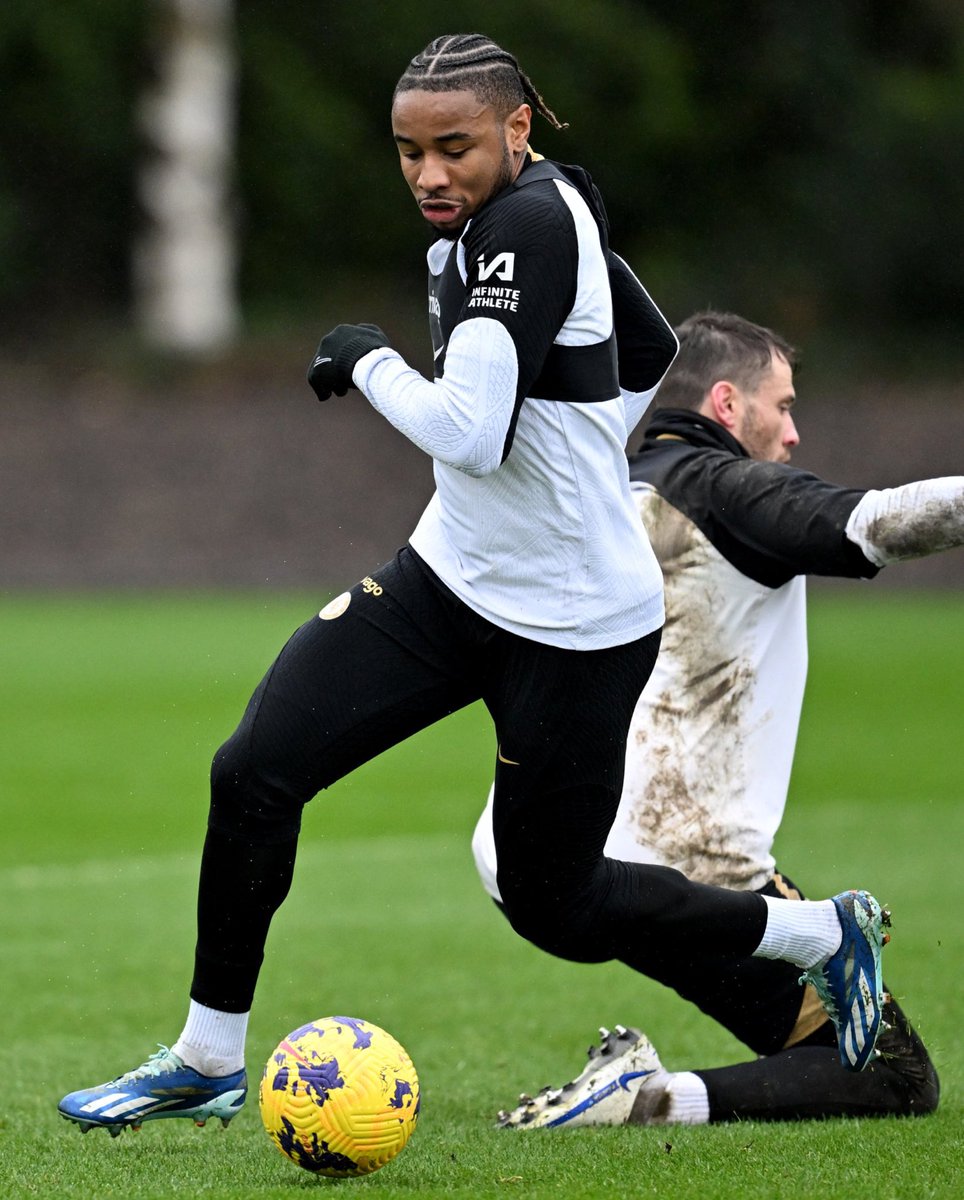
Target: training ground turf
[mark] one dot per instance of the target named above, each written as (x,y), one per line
(111,708)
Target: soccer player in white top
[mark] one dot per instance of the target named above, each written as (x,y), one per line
(516,588)
(736,531)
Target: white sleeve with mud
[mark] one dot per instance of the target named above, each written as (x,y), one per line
(910,521)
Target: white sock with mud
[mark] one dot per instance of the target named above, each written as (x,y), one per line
(670,1098)
(211,1041)
(689,1103)
(804,932)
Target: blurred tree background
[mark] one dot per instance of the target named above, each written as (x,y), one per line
(803,162)
(800,163)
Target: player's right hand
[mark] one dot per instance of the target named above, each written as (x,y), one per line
(331,368)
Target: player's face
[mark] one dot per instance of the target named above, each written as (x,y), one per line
(456,153)
(765,425)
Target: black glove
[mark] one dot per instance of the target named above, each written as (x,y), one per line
(337,353)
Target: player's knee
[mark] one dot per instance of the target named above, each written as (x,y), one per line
(922,1087)
(245,798)
(905,1056)
(553,927)
(231,769)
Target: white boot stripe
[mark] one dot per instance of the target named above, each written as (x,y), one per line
(133,1105)
(868,999)
(849,1046)
(855,1023)
(100,1102)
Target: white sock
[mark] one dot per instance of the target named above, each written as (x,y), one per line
(803,932)
(689,1102)
(212,1042)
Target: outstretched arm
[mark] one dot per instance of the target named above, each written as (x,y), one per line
(909,521)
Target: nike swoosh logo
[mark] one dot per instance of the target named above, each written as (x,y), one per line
(596,1097)
(438,352)
(319,360)
(509,762)
(630,1075)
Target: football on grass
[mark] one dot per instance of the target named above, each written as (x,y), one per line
(339,1097)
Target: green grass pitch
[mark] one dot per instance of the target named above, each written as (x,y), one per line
(110,710)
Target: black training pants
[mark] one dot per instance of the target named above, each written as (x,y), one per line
(401,654)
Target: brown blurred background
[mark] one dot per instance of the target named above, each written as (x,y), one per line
(192,191)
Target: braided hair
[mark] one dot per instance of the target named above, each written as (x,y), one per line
(473,62)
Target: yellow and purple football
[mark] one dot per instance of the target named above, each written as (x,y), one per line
(339,1097)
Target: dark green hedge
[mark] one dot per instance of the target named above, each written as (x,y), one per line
(801,162)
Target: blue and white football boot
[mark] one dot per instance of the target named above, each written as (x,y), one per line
(624,1082)
(161,1087)
(850,982)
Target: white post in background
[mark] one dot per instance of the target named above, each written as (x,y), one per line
(185,261)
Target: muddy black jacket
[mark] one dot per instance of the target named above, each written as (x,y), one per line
(769,520)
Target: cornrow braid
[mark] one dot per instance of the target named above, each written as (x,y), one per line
(471,61)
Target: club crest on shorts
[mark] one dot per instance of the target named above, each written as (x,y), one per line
(334,608)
